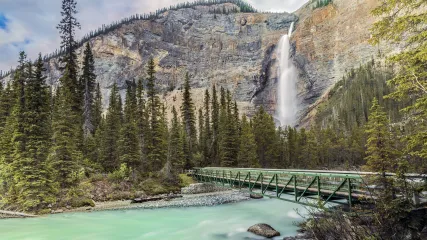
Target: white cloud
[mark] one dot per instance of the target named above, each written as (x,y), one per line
(36,21)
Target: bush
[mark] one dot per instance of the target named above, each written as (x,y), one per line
(82,202)
(120,175)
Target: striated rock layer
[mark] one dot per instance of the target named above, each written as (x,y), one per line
(236,51)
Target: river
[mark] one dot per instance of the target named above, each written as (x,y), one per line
(228,221)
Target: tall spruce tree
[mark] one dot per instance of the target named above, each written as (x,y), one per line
(65,153)
(67,28)
(87,80)
(207,137)
(142,124)
(176,142)
(380,154)
(97,108)
(156,147)
(129,142)
(189,121)
(33,174)
(247,157)
(265,137)
(215,129)
(111,132)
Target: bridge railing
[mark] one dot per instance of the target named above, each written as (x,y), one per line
(302,184)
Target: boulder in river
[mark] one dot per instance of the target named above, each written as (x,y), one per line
(264,230)
(256,196)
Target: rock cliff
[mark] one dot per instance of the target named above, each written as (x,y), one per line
(236,51)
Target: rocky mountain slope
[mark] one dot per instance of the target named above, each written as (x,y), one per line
(236,51)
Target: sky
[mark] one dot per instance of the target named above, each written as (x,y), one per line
(30,25)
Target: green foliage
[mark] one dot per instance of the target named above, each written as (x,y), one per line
(109,146)
(156,138)
(121,174)
(189,122)
(176,143)
(380,154)
(129,148)
(320,3)
(404,22)
(349,100)
(247,157)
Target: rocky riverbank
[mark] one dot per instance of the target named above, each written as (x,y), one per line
(193,200)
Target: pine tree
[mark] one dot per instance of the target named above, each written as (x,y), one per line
(380,155)
(265,138)
(142,119)
(189,121)
(176,141)
(207,140)
(65,154)
(215,129)
(32,172)
(201,131)
(129,142)
(97,107)
(87,80)
(67,28)
(109,146)
(156,147)
(247,157)
(403,23)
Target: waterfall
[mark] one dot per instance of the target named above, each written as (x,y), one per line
(287,107)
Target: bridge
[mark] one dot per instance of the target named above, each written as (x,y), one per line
(305,187)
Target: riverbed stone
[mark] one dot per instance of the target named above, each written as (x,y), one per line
(201,188)
(264,230)
(256,196)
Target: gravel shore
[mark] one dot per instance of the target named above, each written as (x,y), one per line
(191,200)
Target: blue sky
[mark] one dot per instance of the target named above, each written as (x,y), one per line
(30,25)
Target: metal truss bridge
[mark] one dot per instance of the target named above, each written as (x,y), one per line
(300,186)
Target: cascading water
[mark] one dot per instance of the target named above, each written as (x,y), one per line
(287,106)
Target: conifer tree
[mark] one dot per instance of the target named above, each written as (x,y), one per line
(176,141)
(97,107)
(87,80)
(156,147)
(207,140)
(380,155)
(6,104)
(65,153)
(142,119)
(129,142)
(247,150)
(189,121)
(33,174)
(403,22)
(111,132)
(265,138)
(201,131)
(215,128)
(67,28)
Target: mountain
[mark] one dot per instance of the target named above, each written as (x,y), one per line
(219,45)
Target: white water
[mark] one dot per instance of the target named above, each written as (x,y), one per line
(287,106)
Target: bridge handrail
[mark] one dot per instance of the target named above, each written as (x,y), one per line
(330,173)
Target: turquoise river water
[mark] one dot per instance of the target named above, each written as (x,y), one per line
(228,221)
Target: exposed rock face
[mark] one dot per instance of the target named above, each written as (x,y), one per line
(264,230)
(330,40)
(236,51)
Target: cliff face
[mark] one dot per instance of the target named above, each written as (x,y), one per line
(236,51)
(329,41)
(233,51)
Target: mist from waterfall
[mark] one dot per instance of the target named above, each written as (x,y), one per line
(287,106)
